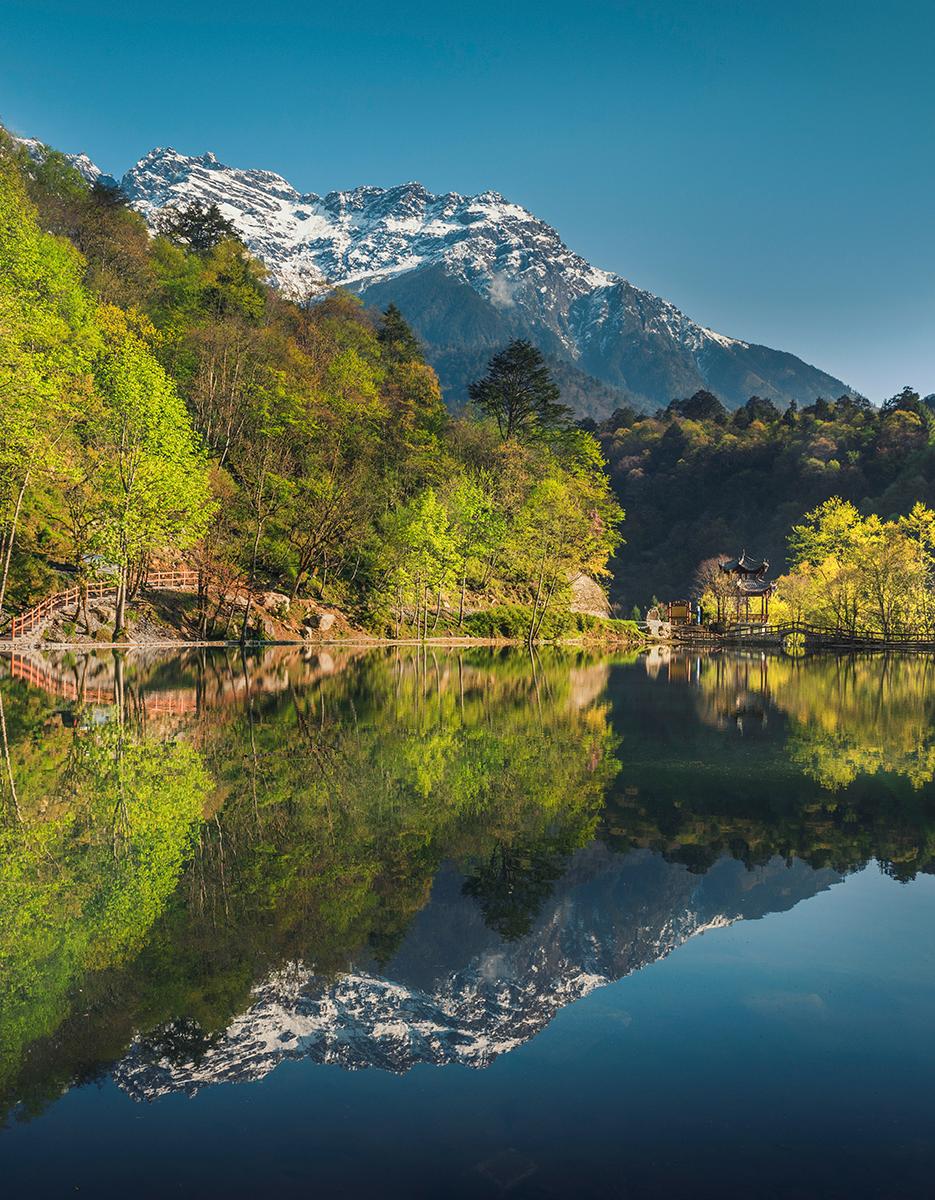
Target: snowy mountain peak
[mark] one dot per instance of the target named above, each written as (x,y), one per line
(88,170)
(470,273)
(368,233)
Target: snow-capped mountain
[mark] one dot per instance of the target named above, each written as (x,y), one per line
(456,992)
(470,273)
(372,234)
(88,170)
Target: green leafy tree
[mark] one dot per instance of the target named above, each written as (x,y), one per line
(569,526)
(150,476)
(419,559)
(47,339)
(478,528)
(519,394)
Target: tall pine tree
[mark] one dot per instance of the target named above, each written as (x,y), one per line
(519,393)
(395,336)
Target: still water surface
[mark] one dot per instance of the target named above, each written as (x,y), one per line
(467,924)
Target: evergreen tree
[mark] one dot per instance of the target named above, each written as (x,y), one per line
(702,406)
(196,225)
(519,393)
(907,400)
(107,194)
(395,336)
(756,409)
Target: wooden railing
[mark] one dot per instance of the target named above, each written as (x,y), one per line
(817,635)
(26,622)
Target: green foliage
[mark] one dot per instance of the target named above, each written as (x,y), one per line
(512,621)
(199,226)
(707,483)
(92,430)
(862,574)
(108,821)
(519,393)
(161,400)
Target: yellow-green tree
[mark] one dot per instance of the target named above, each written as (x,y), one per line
(150,478)
(47,341)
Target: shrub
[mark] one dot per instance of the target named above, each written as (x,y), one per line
(513,621)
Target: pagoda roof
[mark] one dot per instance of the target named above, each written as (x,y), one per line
(744,564)
(754,587)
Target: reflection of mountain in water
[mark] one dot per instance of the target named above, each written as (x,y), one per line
(456,992)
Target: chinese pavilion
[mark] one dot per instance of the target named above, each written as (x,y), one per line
(746,598)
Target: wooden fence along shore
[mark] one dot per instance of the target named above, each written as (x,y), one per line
(32,618)
(810,637)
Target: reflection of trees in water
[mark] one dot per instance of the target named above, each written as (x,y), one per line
(865,715)
(302,809)
(369,780)
(850,716)
(105,826)
(839,773)
(309,823)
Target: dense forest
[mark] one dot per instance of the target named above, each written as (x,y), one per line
(698,481)
(161,404)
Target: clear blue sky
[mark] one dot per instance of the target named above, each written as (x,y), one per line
(769,167)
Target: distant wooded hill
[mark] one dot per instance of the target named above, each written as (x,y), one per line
(696,480)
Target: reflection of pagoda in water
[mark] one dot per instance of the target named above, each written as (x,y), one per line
(737,693)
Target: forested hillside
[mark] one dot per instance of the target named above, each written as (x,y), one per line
(698,481)
(160,403)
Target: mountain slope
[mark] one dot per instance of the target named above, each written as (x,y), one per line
(471,272)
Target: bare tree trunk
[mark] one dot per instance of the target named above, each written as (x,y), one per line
(83,604)
(461,605)
(545,607)
(535,605)
(9,545)
(121,612)
(246,617)
(251,582)
(9,764)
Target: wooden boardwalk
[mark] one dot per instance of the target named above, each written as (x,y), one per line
(155,581)
(812,637)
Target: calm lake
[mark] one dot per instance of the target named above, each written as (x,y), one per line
(467,923)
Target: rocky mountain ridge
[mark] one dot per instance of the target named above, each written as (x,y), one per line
(470,273)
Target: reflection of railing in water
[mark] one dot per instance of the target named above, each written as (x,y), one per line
(177,702)
(27,621)
(239,678)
